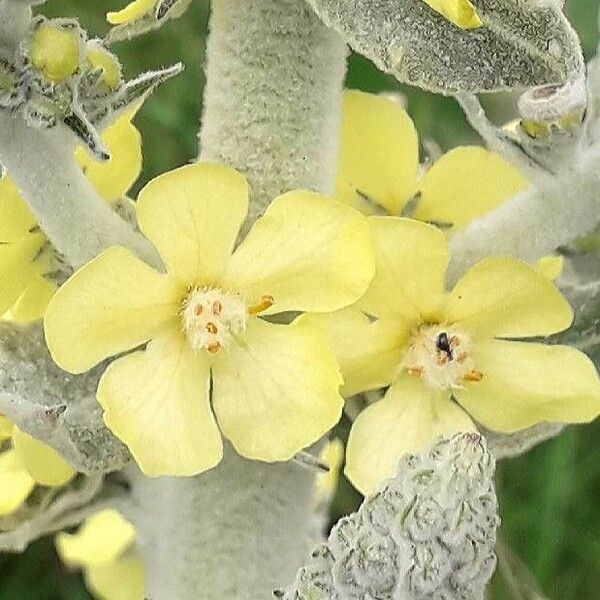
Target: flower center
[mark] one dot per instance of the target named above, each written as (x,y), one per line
(211,317)
(441,356)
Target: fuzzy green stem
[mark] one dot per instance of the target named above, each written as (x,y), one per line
(272,110)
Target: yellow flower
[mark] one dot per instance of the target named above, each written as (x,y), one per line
(25,256)
(132,12)
(274,387)
(104,547)
(451,357)
(55,51)
(379,167)
(26,463)
(460,12)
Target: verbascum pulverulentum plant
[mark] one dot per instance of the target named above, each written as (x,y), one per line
(205,328)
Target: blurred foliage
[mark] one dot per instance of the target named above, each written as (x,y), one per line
(549,497)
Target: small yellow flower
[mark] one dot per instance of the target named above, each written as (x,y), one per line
(132,12)
(25,258)
(379,168)
(274,387)
(55,51)
(100,58)
(27,462)
(451,357)
(104,547)
(460,12)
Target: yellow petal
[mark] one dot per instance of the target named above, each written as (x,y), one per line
(411,262)
(379,153)
(55,51)
(113,178)
(103,538)
(525,383)
(368,352)
(120,580)
(100,58)
(193,216)
(17,268)
(114,303)
(6,428)
(16,219)
(157,402)
(132,12)
(405,421)
(308,252)
(276,391)
(465,184)
(551,267)
(15,482)
(460,12)
(34,300)
(326,483)
(505,297)
(42,462)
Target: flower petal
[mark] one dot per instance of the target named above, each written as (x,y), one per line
(120,580)
(15,482)
(406,420)
(379,153)
(276,391)
(411,258)
(551,267)
(113,178)
(308,252)
(18,268)
(368,352)
(42,462)
(6,428)
(157,402)
(460,12)
(525,383)
(505,297)
(114,303)
(32,304)
(132,12)
(102,539)
(17,219)
(465,184)
(193,216)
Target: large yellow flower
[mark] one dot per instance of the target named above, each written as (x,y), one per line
(104,547)
(24,463)
(274,387)
(379,168)
(451,357)
(25,255)
(132,12)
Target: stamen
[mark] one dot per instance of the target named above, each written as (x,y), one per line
(264,303)
(213,348)
(474,376)
(217,307)
(198,310)
(211,327)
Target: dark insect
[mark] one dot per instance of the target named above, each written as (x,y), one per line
(443,344)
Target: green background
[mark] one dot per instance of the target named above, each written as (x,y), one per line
(549,498)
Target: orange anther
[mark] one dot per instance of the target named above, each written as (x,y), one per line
(455,341)
(417,371)
(442,359)
(198,310)
(217,307)
(474,376)
(462,357)
(214,347)
(265,302)
(211,327)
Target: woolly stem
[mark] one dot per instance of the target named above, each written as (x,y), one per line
(272,108)
(79,223)
(273,95)
(15,18)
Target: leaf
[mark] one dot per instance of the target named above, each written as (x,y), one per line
(522,43)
